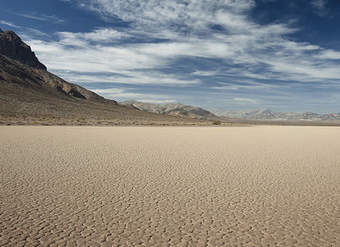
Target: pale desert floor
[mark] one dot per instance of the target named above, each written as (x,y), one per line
(170,186)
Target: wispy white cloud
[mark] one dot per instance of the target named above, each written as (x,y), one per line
(128,77)
(39,17)
(329,54)
(205,73)
(245,100)
(167,13)
(246,85)
(28,32)
(103,35)
(128,94)
(9,24)
(320,6)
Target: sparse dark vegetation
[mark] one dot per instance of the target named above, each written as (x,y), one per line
(217,122)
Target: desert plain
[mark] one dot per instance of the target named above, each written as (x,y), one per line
(169,186)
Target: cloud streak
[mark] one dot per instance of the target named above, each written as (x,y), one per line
(320,6)
(9,24)
(38,17)
(128,94)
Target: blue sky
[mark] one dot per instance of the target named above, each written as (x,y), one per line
(227,54)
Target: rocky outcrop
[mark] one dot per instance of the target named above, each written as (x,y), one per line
(20,66)
(13,47)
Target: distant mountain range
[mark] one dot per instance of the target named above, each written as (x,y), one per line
(225,115)
(266,114)
(172,109)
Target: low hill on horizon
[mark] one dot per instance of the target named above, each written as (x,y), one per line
(173,109)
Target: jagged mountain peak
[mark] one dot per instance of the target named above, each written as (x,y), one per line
(13,47)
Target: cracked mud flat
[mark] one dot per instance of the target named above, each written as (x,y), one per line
(169,186)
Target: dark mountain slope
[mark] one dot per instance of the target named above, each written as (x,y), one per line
(13,47)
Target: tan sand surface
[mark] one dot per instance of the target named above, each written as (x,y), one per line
(170,186)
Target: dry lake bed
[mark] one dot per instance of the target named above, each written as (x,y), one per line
(169,186)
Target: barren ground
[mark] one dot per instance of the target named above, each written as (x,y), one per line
(170,186)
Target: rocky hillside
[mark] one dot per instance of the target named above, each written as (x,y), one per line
(172,109)
(19,65)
